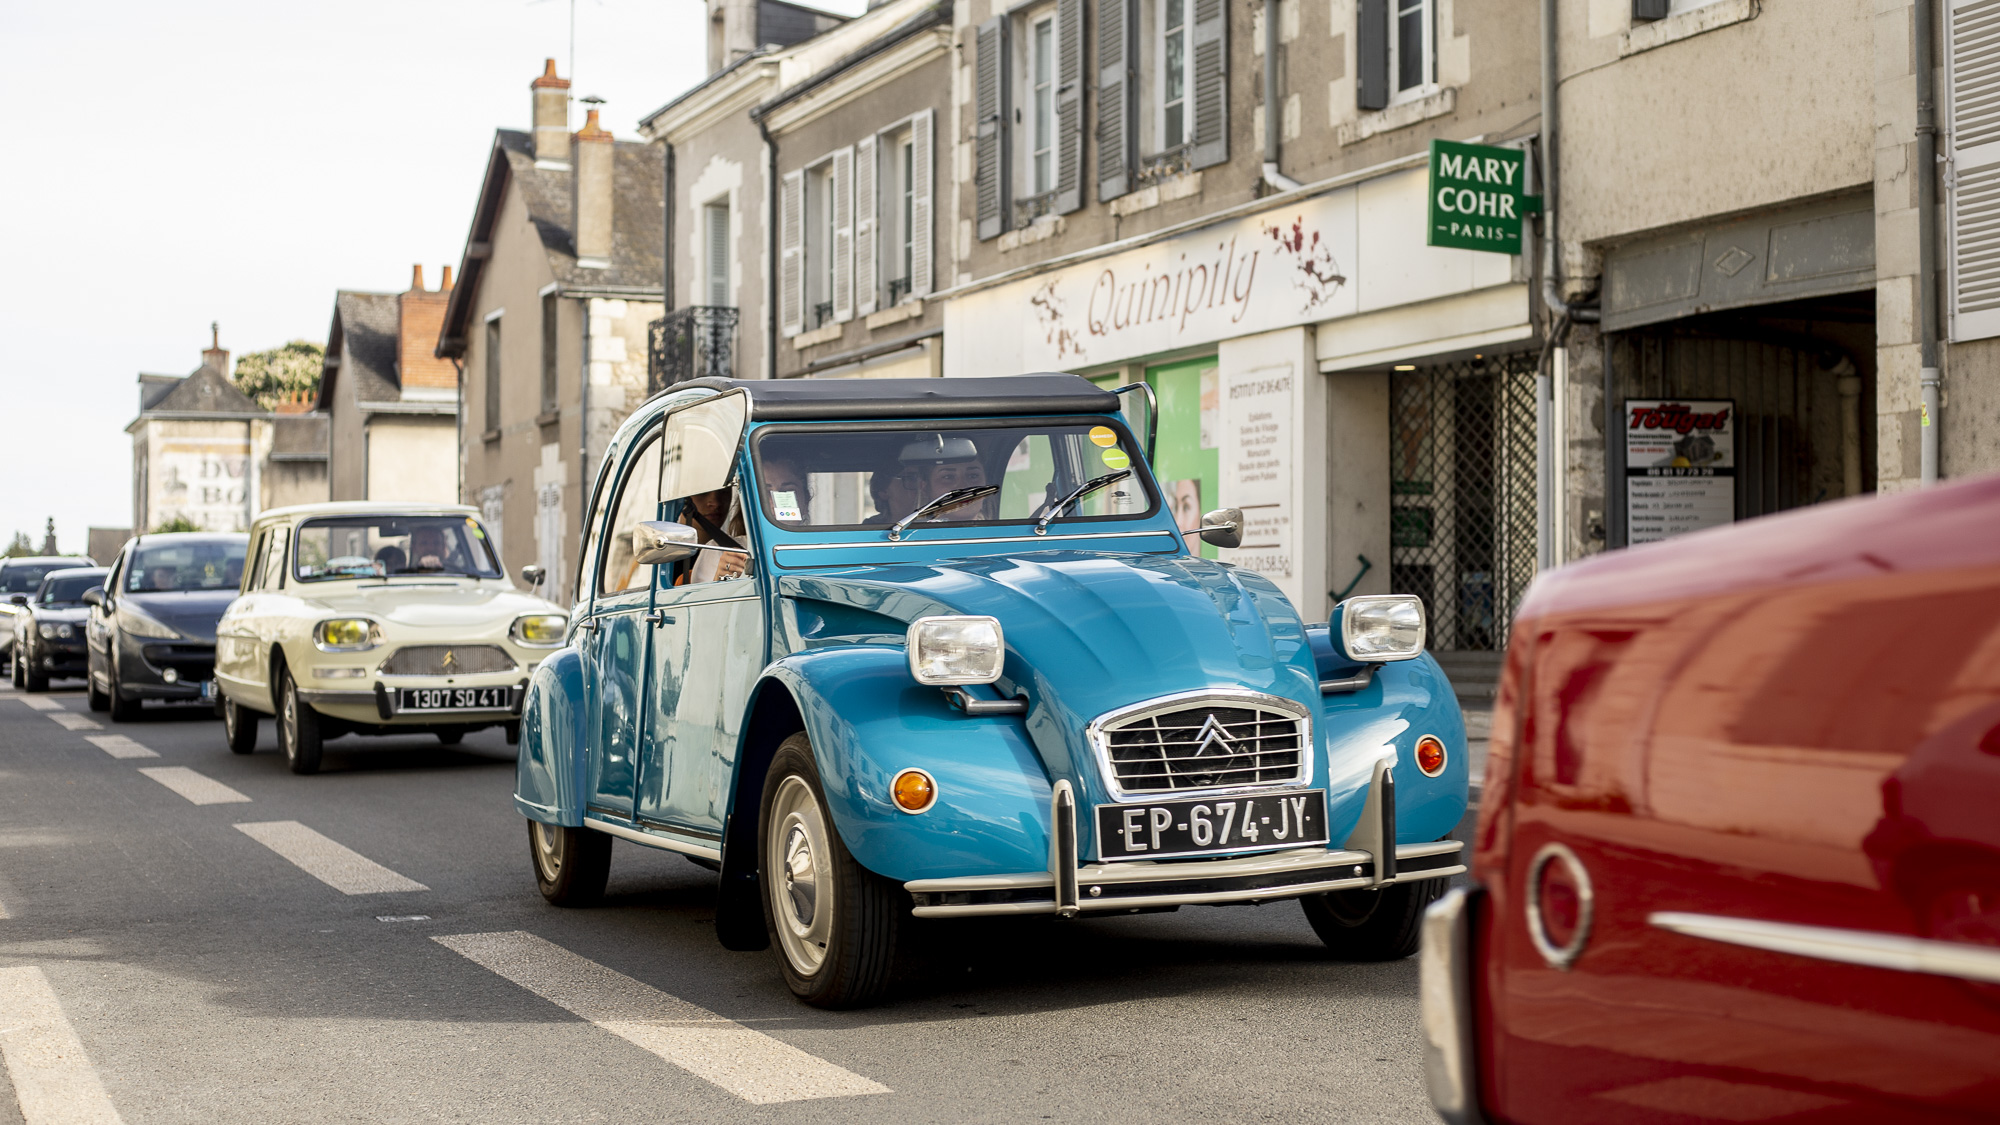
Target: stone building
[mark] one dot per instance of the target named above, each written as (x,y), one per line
(390,401)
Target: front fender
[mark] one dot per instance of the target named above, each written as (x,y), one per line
(868,721)
(1406,700)
(548,779)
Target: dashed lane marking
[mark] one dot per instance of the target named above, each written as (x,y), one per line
(70,721)
(749,1064)
(338,866)
(196,788)
(52,1075)
(40,702)
(119,746)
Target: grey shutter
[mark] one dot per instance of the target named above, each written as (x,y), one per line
(1069,106)
(1650,9)
(791,238)
(990,106)
(1210,40)
(718,252)
(865,226)
(841,182)
(1117,31)
(921,157)
(1371,54)
(1973,143)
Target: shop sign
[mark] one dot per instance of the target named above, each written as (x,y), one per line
(1257,452)
(1478,197)
(1680,466)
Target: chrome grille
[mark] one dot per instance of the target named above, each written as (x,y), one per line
(1211,744)
(447,660)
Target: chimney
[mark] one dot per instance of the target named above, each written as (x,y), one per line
(420,317)
(590,195)
(551,118)
(215,355)
(295,402)
(445,285)
(417,278)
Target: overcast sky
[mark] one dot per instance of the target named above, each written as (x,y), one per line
(168,165)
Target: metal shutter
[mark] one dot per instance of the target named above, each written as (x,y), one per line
(1069,106)
(921,158)
(1973,50)
(865,226)
(1210,41)
(791,239)
(717,215)
(1117,28)
(990,137)
(841,183)
(1371,54)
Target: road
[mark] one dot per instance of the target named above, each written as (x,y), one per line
(367,945)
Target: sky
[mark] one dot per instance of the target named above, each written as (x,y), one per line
(169,165)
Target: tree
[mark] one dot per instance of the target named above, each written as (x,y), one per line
(281,372)
(22,546)
(178,523)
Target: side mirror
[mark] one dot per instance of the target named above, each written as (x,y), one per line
(657,541)
(94,596)
(1222,527)
(18,599)
(534,574)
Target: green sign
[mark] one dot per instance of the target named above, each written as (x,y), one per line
(1476,197)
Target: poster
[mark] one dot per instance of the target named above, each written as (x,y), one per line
(1680,467)
(1258,412)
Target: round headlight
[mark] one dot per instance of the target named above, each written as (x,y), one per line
(48,631)
(347,634)
(544,629)
(65,631)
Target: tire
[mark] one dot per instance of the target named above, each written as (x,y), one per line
(450,737)
(1373,925)
(298,727)
(239,727)
(14,671)
(25,676)
(834,922)
(98,700)
(123,710)
(571,864)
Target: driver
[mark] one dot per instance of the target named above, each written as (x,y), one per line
(715,519)
(429,547)
(162,577)
(939,464)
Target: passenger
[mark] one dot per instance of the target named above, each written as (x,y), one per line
(894,489)
(789,491)
(391,560)
(939,465)
(715,519)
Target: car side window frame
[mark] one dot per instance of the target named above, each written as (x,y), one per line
(629,473)
(253,572)
(273,577)
(673,507)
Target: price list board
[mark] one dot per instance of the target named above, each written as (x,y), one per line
(1680,466)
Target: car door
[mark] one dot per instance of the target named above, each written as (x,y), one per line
(616,634)
(235,644)
(97,629)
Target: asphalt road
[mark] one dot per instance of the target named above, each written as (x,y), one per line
(161,964)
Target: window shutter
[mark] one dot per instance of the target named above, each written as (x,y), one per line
(921,165)
(841,182)
(792,269)
(1117,29)
(1069,106)
(718,253)
(1371,54)
(1973,31)
(1210,40)
(865,225)
(1650,9)
(990,106)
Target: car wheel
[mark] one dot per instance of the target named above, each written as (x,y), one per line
(14,671)
(96,697)
(298,727)
(450,737)
(239,727)
(571,864)
(835,921)
(1385,924)
(31,680)
(123,709)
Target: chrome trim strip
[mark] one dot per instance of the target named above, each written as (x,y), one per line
(1444,974)
(1219,898)
(321,695)
(654,840)
(691,602)
(1095,732)
(1156,871)
(1849,947)
(965,542)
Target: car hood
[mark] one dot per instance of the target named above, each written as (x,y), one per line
(56,615)
(430,606)
(192,612)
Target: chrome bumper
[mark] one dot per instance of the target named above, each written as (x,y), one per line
(1445,972)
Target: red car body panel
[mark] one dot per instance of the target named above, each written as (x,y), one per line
(1792,720)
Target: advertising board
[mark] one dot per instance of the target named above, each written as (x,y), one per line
(1680,466)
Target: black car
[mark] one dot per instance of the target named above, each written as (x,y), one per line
(152,626)
(49,636)
(21,577)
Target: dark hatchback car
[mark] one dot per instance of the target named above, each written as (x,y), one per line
(21,577)
(152,626)
(49,632)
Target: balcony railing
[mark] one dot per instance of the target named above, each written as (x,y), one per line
(697,342)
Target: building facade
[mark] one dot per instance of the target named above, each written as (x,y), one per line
(390,401)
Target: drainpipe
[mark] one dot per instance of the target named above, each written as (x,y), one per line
(1273,112)
(1927,289)
(772,250)
(1551,256)
(667,280)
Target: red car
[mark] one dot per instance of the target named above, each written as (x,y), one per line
(1739,853)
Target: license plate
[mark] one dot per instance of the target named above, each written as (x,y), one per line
(208,691)
(1202,826)
(453,699)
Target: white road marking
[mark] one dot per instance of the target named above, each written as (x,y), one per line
(402,917)
(53,1078)
(118,746)
(68,721)
(196,788)
(40,702)
(338,866)
(747,1063)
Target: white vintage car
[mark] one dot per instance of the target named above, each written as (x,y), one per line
(376,618)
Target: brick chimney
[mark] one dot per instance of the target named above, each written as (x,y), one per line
(590,195)
(215,355)
(445,285)
(551,118)
(421,315)
(295,402)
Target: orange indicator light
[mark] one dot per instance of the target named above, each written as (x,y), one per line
(1430,755)
(914,791)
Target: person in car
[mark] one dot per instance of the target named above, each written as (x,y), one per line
(430,548)
(715,518)
(895,496)
(937,465)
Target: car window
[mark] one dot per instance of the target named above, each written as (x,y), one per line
(187,564)
(700,443)
(638,499)
(274,559)
(252,574)
(389,545)
(26,578)
(61,589)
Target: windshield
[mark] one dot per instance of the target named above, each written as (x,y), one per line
(205,564)
(388,545)
(67,589)
(848,478)
(26,578)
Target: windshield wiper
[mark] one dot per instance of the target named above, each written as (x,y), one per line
(956,498)
(1082,490)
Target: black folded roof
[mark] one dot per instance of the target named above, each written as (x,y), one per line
(806,399)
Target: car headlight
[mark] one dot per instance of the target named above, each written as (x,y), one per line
(138,623)
(48,631)
(544,630)
(346,634)
(1379,627)
(955,650)
(65,631)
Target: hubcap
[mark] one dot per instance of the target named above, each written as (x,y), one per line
(800,899)
(801,876)
(291,723)
(548,851)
